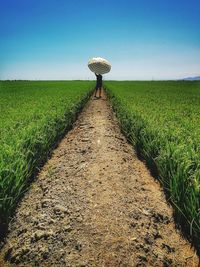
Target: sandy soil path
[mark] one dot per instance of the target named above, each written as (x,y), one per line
(95,204)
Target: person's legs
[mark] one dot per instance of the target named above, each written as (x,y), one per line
(100,91)
(96,89)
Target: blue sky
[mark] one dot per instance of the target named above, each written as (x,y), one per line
(143,39)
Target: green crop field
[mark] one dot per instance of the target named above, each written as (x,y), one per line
(162,121)
(34,115)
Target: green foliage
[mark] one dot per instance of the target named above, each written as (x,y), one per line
(34,115)
(162,120)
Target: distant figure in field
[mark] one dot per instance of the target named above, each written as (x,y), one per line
(98,84)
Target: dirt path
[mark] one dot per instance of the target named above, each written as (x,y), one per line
(95,204)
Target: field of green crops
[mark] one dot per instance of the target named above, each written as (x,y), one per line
(33,116)
(162,120)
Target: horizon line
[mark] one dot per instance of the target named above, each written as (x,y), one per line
(136,80)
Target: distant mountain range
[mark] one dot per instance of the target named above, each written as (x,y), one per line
(197,78)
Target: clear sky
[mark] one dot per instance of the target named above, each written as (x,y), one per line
(143,39)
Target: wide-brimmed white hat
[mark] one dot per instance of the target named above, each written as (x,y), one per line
(99,65)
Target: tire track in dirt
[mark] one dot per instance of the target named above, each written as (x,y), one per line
(95,204)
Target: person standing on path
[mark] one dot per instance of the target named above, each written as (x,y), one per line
(98,84)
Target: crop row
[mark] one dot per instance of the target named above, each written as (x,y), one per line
(34,116)
(161,120)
